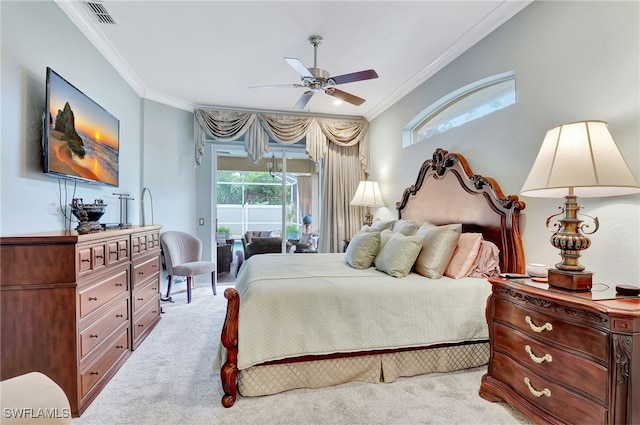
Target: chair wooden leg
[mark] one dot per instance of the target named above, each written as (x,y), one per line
(213,282)
(169,288)
(188,289)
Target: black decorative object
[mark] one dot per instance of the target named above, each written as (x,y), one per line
(88,215)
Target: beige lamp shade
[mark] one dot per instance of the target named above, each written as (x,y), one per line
(581,157)
(368,195)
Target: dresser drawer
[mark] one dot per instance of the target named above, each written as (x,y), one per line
(99,367)
(118,251)
(146,293)
(143,321)
(544,394)
(144,243)
(91,258)
(145,270)
(104,327)
(542,358)
(97,295)
(590,341)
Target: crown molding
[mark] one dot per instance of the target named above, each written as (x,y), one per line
(80,18)
(494,19)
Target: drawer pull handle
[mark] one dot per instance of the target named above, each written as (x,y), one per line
(93,298)
(119,284)
(100,256)
(547,326)
(141,325)
(140,272)
(86,260)
(155,266)
(115,251)
(546,357)
(140,299)
(154,311)
(93,336)
(120,347)
(97,372)
(154,289)
(546,392)
(119,315)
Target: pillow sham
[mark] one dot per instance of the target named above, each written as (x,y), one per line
(438,245)
(385,235)
(382,225)
(464,255)
(398,255)
(487,263)
(362,249)
(406,227)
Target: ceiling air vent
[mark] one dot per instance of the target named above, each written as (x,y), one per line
(101,13)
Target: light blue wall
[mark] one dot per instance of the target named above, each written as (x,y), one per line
(168,165)
(156,141)
(573,61)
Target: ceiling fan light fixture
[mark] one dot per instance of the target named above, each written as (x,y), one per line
(318,79)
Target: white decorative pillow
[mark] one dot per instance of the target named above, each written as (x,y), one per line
(406,227)
(362,249)
(382,225)
(437,248)
(464,256)
(398,255)
(385,235)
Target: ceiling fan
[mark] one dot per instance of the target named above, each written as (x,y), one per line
(316,79)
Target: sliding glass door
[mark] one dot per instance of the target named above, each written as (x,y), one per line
(278,195)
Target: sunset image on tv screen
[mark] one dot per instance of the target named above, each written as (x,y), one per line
(83,137)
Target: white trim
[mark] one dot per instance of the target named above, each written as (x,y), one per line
(444,102)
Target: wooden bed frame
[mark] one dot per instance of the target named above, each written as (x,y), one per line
(446,191)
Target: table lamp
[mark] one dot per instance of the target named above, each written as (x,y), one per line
(368,195)
(577,159)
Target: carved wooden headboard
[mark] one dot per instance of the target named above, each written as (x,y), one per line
(446,192)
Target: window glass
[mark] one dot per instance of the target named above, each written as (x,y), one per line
(466,104)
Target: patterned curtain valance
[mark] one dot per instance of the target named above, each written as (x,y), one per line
(258,127)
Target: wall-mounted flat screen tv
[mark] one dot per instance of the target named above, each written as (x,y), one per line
(81,139)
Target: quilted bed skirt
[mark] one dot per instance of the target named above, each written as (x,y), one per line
(272,379)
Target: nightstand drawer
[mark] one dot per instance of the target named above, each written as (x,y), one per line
(588,340)
(570,369)
(544,394)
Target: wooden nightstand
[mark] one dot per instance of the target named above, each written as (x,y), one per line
(564,357)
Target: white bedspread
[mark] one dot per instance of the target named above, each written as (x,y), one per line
(300,304)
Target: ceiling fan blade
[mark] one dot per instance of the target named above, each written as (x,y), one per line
(343,95)
(304,99)
(355,76)
(299,67)
(277,86)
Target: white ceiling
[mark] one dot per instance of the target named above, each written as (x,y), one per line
(208,53)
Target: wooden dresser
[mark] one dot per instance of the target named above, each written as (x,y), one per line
(74,306)
(561,356)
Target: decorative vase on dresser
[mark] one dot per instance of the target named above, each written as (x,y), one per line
(74,306)
(561,356)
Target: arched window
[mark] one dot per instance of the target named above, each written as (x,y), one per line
(461,106)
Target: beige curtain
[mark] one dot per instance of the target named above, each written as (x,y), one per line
(343,143)
(304,194)
(342,173)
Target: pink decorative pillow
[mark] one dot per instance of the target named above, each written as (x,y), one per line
(464,256)
(488,261)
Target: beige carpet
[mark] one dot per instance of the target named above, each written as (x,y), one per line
(169,380)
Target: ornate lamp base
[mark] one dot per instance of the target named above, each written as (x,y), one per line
(571,280)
